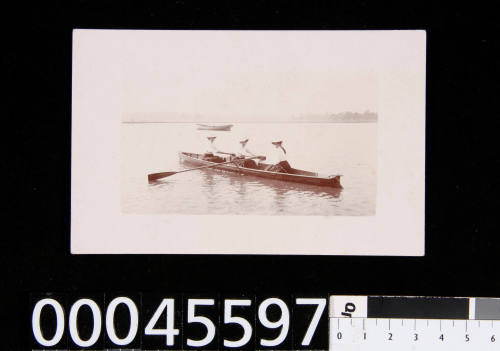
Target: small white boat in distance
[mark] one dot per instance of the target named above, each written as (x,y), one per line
(224,127)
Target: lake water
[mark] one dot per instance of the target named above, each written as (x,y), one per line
(331,148)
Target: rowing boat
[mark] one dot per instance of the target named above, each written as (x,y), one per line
(297,175)
(225,127)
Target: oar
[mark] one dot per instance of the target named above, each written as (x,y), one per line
(155,176)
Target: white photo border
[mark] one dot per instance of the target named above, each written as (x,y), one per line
(99,227)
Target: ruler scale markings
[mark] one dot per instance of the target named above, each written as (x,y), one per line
(430,340)
(434,310)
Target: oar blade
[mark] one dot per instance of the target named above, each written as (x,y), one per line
(155,176)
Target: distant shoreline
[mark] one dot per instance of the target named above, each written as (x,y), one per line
(175,117)
(248,122)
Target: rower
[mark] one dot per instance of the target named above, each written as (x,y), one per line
(210,155)
(245,152)
(280,163)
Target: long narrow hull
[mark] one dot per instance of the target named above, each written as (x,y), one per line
(226,127)
(298,176)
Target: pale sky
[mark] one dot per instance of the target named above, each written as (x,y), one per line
(244,73)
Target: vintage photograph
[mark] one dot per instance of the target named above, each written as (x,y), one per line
(313,165)
(262,129)
(286,131)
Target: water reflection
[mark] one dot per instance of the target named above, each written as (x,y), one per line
(240,187)
(218,192)
(240,182)
(281,189)
(209,180)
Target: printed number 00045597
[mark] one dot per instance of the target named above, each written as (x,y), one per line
(170,332)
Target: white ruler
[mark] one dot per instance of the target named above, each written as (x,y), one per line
(413,334)
(353,327)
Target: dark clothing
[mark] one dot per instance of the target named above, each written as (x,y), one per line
(250,164)
(246,163)
(281,167)
(286,166)
(212,158)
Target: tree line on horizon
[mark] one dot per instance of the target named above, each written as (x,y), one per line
(342,117)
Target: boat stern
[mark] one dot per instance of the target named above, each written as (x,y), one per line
(335,181)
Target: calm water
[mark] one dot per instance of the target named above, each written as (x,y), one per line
(347,149)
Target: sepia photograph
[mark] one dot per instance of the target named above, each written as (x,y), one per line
(248,142)
(311,165)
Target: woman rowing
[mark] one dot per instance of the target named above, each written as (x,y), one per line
(244,152)
(280,164)
(210,154)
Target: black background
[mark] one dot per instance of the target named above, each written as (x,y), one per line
(462,238)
